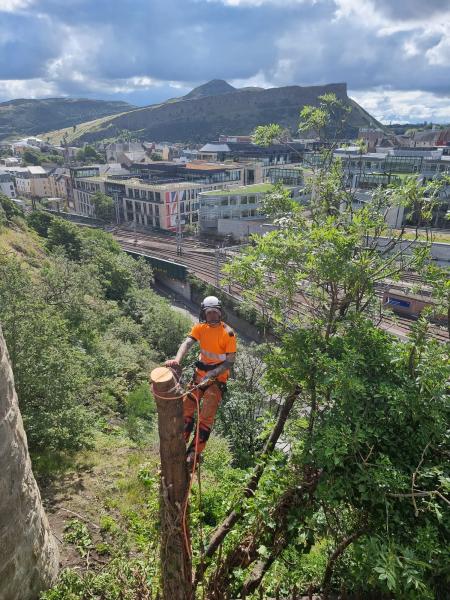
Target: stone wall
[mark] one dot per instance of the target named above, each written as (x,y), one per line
(29,555)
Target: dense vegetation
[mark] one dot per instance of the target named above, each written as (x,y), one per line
(83,328)
(350,493)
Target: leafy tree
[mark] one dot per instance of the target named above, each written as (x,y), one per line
(241,415)
(32,157)
(104,206)
(40,221)
(49,371)
(162,329)
(8,208)
(89,154)
(367,430)
(66,235)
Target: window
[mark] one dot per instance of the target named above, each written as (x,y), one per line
(224,202)
(157,197)
(244,200)
(233,201)
(143,194)
(252,199)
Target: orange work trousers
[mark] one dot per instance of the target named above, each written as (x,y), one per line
(209,400)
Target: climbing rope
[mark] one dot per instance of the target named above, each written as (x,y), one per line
(191,479)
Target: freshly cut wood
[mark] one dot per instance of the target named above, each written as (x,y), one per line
(162,379)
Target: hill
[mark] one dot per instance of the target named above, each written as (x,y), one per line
(24,117)
(216,108)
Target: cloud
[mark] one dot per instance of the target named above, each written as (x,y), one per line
(403,107)
(142,49)
(14,5)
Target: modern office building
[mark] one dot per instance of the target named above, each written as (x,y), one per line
(238,203)
(144,203)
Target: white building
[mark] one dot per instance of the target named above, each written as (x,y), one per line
(7,186)
(240,203)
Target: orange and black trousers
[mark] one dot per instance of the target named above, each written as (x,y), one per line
(208,400)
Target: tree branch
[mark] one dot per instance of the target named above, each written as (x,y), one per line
(234,516)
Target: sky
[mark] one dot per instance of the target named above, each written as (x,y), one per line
(393,54)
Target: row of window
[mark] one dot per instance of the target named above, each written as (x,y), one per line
(144,208)
(87,186)
(144,194)
(230,201)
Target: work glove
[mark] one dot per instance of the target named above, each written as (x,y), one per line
(172,363)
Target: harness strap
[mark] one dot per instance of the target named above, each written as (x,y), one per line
(206,367)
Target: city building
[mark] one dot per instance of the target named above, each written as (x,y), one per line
(32,182)
(146,204)
(240,203)
(431,138)
(196,171)
(7,186)
(243,152)
(387,166)
(59,180)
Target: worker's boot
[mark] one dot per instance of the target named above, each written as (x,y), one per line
(190,459)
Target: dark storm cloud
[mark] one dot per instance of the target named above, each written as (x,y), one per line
(26,44)
(364,59)
(411,9)
(136,49)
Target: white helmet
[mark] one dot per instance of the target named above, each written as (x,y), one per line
(211,302)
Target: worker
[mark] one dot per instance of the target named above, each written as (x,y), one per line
(217,355)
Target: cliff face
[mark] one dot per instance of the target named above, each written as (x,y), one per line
(28,552)
(203,118)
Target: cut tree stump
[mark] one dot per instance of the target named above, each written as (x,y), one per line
(176,566)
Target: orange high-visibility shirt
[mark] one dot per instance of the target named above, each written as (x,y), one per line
(215,344)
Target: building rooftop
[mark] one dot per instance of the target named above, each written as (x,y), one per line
(146,185)
(37,170)
(215,148)
(259,188)
(207,166)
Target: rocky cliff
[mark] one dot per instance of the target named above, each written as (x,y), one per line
(28,551)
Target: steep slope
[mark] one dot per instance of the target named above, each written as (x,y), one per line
(215,87)
(28,117)
(205,117)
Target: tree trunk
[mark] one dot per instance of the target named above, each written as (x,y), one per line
(176,567)
(29,555)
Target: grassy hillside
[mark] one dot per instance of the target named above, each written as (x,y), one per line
(24,117)
(216,110)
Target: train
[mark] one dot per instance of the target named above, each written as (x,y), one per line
(411,305)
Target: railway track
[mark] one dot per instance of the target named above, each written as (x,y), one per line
(200,259)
